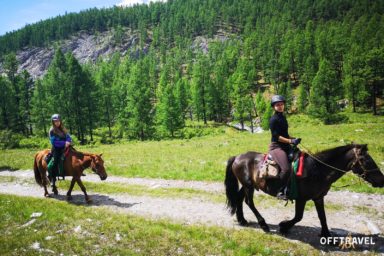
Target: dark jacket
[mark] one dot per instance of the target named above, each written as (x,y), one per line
(279,127)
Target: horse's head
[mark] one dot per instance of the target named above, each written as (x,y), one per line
(97,166)
(364,166)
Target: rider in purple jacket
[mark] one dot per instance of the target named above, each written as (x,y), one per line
(60,139)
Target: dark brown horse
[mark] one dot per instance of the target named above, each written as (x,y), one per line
(74,165)
(322,170)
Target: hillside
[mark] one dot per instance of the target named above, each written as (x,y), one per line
(143,72)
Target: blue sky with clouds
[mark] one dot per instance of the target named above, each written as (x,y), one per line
(15,14)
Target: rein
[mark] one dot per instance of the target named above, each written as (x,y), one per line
(361,176)
(317,159)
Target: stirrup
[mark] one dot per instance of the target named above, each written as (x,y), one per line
(282,196)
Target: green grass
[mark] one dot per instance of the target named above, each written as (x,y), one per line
(99,228)
(204,158)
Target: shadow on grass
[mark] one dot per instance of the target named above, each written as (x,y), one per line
(310,235)
(97,200)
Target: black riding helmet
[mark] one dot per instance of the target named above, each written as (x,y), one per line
(277,98)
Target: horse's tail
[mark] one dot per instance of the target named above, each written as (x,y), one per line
(37,172)
(231,187)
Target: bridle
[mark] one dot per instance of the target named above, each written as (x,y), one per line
(358,161)
(94,166)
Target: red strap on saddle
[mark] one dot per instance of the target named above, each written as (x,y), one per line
(301,165)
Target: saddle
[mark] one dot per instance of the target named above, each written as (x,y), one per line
(50,162)
(269,169)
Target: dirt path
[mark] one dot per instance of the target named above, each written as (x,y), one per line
(356,213)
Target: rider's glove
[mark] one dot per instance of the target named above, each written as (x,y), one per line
(296,141)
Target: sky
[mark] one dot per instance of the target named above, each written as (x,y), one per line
(15,14)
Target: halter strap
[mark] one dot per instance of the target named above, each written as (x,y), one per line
(365,171)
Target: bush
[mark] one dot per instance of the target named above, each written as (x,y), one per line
(35,142)
(9,140)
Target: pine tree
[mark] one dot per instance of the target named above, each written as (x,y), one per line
(15,120)
(375,74)
(40,110)
(354,78)
(266,117)
(139,108)
(26,91)
(325,92)
(183,96)
(241,97)
(7,104)
(200,84)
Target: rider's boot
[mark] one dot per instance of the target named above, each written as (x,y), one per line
(283,191)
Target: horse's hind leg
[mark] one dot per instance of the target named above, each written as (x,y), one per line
(299,212)
(45,184)
(54,188)
(239,208)
(249,202)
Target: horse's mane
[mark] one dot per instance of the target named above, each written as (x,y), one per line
(334,151)
(78,153)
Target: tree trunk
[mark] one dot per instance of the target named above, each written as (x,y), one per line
(374,90)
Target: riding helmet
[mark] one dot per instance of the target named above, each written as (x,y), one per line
(55,117)
(277,98)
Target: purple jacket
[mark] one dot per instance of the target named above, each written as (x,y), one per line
(58,141)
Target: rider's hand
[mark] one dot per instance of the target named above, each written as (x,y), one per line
(67,144)
(296,141)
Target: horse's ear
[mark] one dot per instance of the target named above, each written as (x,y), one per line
(101,154)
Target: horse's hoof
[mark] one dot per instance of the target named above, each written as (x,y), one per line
(284,227)
(47,195)
(325,234)
(69,198)
(88,200)
(264,226)
(243,223)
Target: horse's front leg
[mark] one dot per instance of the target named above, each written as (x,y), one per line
(69,197)
(319,203)
(299,211)
(87,198)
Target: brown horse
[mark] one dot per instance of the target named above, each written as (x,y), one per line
(322,170)
(74,165)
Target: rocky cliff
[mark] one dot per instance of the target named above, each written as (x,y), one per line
(88,47)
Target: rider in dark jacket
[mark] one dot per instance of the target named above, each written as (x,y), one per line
(280,142)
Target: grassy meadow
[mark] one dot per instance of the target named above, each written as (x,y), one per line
(81,230)
(204,158)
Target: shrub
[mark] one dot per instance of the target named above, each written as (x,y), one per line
(9,140)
